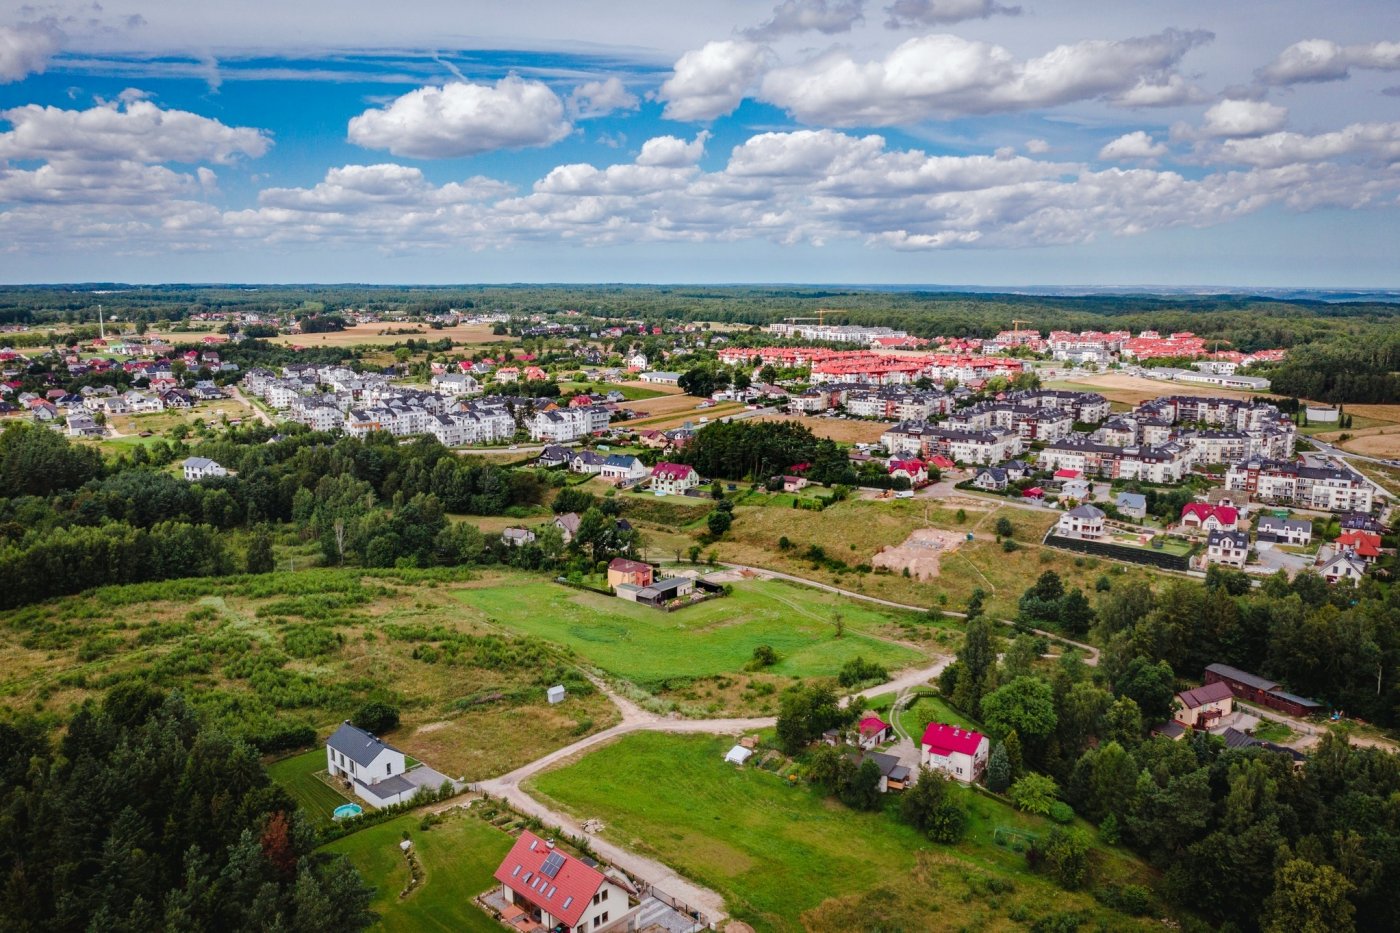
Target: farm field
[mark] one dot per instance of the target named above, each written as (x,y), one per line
(662,651)
(675,410)
(855,530)
(1132,390)
(1383,442)
(786,859)
(841,430)
(262,655)
(458,857)
(373,335)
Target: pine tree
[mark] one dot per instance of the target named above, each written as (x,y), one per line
(999,769)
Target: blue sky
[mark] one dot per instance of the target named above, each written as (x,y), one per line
(1253,143)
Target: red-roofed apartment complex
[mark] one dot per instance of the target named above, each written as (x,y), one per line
(558,891)
(958,753)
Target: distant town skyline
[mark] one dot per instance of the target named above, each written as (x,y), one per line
(955,142)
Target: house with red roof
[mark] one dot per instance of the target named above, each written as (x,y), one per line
(872,731)
(941,462)
(1202,516)
(1201,707)
(1067,474)
(959,753)
(911,469)
(673,479)
(1365,545)
(543,885)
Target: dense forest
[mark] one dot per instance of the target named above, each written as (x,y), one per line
(142,818)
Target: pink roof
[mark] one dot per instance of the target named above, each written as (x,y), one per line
(1225,514)
(1035,492)
(944,740)
(942,462)
(871,725)
(909,466)
(1200,696)
(1067,474)
(672,470)
(565,895)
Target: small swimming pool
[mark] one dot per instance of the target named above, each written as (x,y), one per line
(346,810)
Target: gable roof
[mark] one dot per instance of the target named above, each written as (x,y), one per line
(1132,500)
(672,470)
(1237,539)
(1364,543)
(569,521)
(1086,511)
(623,565)
(549,878)
(357,744)
(872,724)
(944,739)
(1224,514)
(1197,697)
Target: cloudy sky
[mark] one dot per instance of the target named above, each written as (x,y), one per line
(1053,142)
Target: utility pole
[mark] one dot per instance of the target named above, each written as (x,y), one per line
(101,324)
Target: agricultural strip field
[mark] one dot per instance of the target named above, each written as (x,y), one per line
(375,335)
(841,430)
(263,656)
(853,531)
(1131,390)
(786,859)
(652,648)
(458,857)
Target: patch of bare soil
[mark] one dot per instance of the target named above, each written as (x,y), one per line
(920,553)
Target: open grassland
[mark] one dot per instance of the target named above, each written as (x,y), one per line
(660,388)
(932,708)
(297,776)
(853,531)
(264,655)
(1133,390)
(678,414)
(785,858)
(841,430)
(1383,442)
(664,653)
(1387,476)
(383,334)
(633,392)
(458,857)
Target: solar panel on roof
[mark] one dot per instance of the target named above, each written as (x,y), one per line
(552,864)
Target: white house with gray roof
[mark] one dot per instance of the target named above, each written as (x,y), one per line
(367,763)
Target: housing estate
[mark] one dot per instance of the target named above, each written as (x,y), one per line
(559,891)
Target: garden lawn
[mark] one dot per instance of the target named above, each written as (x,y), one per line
(648,646)
(297,776)
(927,709)
(785,858)
(458,857)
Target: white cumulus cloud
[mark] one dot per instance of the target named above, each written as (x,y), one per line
(1379,141)
(600,98)
(1313,60)
(913,13)
(463,118)
(25,49)
(946,75)
(1135,145)
(1244,118)
(672,151)
(711,81)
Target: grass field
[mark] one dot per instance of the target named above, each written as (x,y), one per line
(258,654)
(785,859)
(676,414)
(928,708)
(457,856)
(630,391)
(658,650)
(841,430)
(297,776)
(855,530)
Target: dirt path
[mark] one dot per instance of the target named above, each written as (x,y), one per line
(236,394)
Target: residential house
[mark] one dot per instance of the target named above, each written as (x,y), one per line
(1283,530)
(992,479)
(1016,470)
(198,468)
(872,731)
(673,479)
(1342,567)
(959,753)
(1076,489)
(1082,521)
(1364,545)
(910,468)
(456,385)
(554,455)
(794,483)
(568,524)
(556,891)
(660,378)
(629,572)
(1201,707)
(1131,505)
(1361,521)
(517,537)
(1228,548)
(586,461)
(893,775)
(373,769)
(623,468)
(1202,516)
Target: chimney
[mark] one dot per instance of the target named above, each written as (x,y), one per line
(549,843)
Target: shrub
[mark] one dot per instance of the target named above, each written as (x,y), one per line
(764,656)
(858,670)
(377,718)
(1061,812)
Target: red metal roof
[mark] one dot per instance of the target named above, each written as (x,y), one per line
(672,470)
(1226,515)
(1067,473)
(1200,696)
(573,884)
(623,565)
(943,740)
(870,725)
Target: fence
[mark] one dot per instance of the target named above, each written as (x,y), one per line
(1133,555)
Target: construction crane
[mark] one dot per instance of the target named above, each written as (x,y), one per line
(1016,325)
